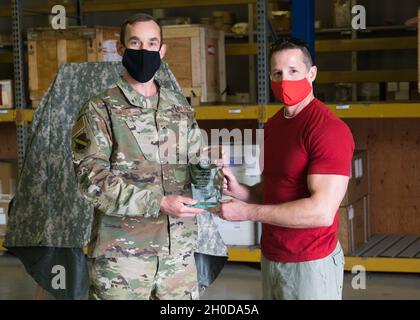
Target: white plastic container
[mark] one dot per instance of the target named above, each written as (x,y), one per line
(244,163)
(234,233)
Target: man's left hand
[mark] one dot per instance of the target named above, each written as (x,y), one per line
(233,210)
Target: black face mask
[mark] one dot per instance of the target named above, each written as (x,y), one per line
(141,64)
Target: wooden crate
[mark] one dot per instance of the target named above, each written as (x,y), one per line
(394,177)
(196,56)
(4,208)
(48,49)
(358,186)
(353,225)
(8,178)
(6,94)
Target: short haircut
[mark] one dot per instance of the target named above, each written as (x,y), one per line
(138,17)
(293,43)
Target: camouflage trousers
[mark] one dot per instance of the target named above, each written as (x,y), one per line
(137,278)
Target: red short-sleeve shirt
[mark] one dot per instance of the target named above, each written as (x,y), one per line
(313,142)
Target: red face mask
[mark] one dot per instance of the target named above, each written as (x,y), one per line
(291,92)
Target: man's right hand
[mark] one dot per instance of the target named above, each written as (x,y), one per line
(231,186)
(176,206)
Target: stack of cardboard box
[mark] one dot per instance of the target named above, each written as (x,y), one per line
(354,209)
(8,178)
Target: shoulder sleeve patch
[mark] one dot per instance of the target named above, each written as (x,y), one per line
(79,137)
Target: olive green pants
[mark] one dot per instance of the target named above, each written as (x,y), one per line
(311,280)
(136,278)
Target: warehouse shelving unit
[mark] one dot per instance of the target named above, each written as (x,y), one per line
(263,111)
(128,5)
(19,115)
(373,113)
(19,78)
(357,45)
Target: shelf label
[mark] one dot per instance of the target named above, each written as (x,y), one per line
(3,111)
(342,107)
(235,111)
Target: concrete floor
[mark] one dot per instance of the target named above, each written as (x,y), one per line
(242,281)
(238,281)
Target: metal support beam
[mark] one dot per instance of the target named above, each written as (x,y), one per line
(353,59)
(19,77)
(251,58)
(303,22)
(79,12)
(262,44)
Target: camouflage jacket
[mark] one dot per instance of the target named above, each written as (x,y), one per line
(124,166)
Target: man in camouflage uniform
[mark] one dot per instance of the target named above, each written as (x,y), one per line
(131,149)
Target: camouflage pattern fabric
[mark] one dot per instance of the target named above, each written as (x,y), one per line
(48,210)
(136,278)
(119,146)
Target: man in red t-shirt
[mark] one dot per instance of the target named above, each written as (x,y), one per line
(307,159)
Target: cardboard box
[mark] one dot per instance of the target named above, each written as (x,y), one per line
(4,208)
(342,14)
(281,20)
(8,178)
(279,14)
(240,97)
(168,21)
(196,56)
(353,229)
(359,178)
(223,20)
(6,94)
(397,91)
(48,49)
(368,91)
(233,233)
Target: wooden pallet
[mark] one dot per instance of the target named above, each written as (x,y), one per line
(390,246)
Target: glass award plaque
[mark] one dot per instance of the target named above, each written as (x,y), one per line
(206,183)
